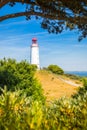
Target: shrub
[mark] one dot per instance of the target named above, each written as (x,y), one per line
(55,69)
(20,75)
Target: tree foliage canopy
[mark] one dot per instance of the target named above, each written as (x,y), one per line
(56,15)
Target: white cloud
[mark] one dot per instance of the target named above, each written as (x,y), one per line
(19,53)
(11,39)
(14,23)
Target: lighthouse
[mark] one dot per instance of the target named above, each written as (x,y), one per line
(34,53)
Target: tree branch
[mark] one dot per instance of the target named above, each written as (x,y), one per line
(29,13)
(75,20)
(3,2)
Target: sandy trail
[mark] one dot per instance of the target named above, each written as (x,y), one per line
(56,87)
(69,82)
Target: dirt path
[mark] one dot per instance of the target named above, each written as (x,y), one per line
(56,87)
(69,82)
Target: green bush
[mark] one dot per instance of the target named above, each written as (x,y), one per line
(55,69)
(20,75)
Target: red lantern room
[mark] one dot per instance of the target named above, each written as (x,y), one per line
(34,40)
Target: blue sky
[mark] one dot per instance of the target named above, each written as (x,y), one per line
(61,49)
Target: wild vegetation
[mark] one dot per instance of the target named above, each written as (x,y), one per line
(55,69)
(20,75)
(20,111)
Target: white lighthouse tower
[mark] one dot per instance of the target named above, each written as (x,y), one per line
(34,54)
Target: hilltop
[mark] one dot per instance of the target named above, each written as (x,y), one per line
(57,86)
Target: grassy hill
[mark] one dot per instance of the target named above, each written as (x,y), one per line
(57,86)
